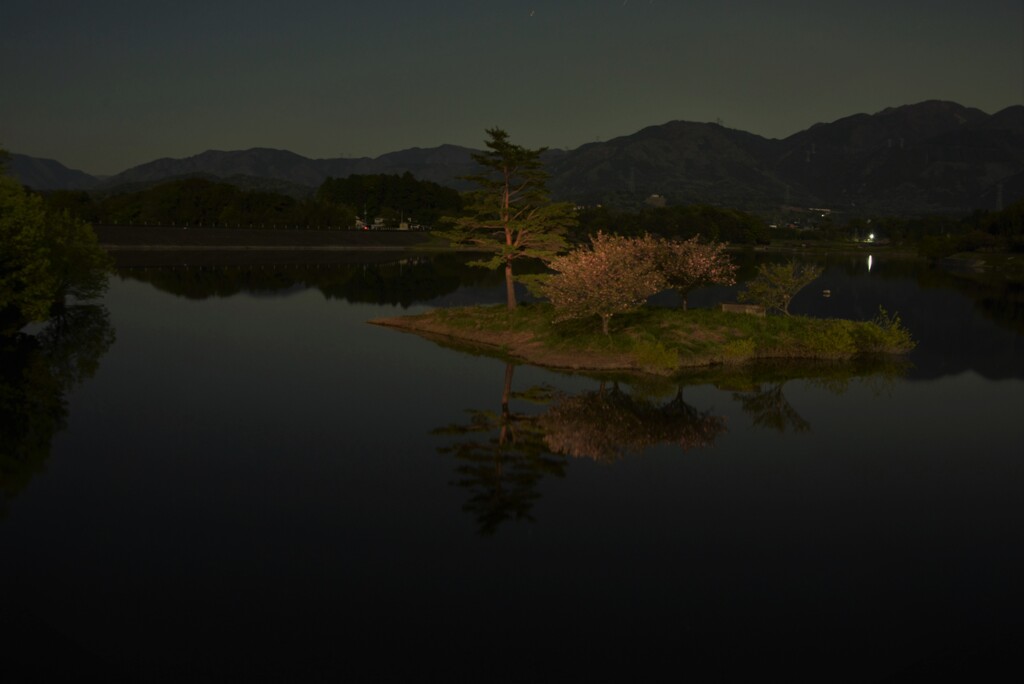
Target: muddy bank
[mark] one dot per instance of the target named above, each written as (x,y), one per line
(520,345)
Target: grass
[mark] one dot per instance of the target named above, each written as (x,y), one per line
(658,341)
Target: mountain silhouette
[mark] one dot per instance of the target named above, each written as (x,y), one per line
(929,157)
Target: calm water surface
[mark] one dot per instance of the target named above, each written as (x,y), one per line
(242,479)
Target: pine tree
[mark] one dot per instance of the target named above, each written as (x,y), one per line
(510,214)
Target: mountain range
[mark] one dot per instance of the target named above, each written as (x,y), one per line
(929,157)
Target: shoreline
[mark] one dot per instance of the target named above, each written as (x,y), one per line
(522,348)
(125,240)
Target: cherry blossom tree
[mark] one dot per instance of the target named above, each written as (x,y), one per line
(612,275)
(689,264)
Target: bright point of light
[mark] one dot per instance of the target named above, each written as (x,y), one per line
(869,263)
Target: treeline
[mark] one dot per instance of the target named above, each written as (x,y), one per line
(935,236)
(392,198)
(203,202)
(938,237)
(679,222)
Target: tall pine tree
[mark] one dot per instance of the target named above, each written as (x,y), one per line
(510,214)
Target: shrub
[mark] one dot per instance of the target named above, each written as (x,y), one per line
(776,284)
(653,356)
(885,334)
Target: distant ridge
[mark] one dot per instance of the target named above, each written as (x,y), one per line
(442,165)
(930,157)
(49,174)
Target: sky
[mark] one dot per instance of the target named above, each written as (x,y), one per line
(102,86)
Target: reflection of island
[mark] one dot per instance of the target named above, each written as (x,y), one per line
(503,457)
(759,388)
(769,408)
(35,373)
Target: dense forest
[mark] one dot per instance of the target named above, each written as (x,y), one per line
(202,202)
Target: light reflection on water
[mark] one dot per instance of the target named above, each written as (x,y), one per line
(272,488)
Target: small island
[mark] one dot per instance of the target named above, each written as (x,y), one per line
(653,341)
(510,219)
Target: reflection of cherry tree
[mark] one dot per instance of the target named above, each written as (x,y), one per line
(769,408)
(504,456)
(608,423)
(504,467)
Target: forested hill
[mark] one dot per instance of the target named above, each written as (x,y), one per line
(48,174)
(931,157)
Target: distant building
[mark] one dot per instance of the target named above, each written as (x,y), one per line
(656,201)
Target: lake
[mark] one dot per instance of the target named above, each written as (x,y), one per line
(226,473)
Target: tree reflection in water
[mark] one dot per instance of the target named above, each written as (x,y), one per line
(769,408)
(764,401)
(504,456)
(503,468)
(608,424)
(35,373)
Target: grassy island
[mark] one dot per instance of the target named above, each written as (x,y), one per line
(656,341)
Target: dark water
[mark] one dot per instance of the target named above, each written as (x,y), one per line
(229,475)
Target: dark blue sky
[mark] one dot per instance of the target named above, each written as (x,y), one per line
(102,86)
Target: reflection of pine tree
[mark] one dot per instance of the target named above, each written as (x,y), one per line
(608,424)
(769,408)
(503,470)
(35,372)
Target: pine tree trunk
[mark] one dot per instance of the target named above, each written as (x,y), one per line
(510,286)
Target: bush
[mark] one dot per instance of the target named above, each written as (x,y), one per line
(652,355)
(885,334)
